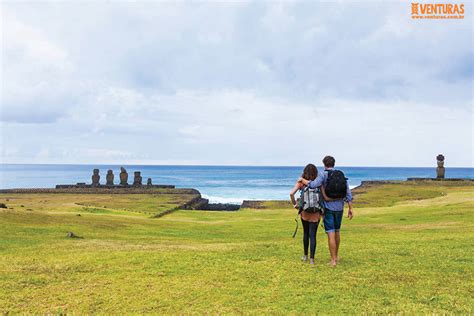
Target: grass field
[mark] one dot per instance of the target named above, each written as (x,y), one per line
(409,249)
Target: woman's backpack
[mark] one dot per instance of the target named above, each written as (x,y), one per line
(311,200)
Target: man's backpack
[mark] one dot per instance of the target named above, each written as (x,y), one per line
(336,184)
(311,200)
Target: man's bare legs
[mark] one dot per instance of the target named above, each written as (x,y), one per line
(332,247)
(338,242)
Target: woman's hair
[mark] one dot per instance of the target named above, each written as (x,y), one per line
(310,172)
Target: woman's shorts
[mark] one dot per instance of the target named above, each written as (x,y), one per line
(332,221)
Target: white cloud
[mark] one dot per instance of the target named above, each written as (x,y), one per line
(233,83)
(35,74)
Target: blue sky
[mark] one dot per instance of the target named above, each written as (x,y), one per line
(245,83)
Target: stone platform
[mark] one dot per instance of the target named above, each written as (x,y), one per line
(105,190)
(80,186)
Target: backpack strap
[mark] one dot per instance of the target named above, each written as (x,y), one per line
(296,229)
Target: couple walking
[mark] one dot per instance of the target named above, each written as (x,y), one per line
(322,197)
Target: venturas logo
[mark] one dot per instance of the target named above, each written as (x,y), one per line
(437,11)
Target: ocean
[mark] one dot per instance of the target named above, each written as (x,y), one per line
(221,184)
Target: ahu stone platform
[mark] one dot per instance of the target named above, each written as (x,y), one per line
(104,190)
(83,185)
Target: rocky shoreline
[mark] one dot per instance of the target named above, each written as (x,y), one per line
(408,180)
(197,203)
(103,190)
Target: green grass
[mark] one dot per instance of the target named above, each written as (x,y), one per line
(118,204)
(390,194)
(405,253)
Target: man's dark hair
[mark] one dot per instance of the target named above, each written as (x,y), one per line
(310,172)
(329,161)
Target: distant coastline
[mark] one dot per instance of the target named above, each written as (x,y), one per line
(220,184)
(213,166)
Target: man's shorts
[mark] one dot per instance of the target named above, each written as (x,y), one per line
(332,221)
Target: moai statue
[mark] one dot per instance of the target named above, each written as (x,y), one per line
(110,177)
(148,183)
(95,178)
(123,176)
(440,170)
(137,180)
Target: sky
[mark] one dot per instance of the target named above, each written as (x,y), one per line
(241,83)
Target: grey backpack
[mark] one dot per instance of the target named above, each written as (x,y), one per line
(311,200)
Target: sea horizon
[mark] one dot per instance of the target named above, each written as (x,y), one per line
(222,165)
(218,183)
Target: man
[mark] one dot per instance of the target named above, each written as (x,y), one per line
(334,209)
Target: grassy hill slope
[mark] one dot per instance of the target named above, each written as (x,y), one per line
(411,254)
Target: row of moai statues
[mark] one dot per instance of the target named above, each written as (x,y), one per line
(137,179)
(440,169)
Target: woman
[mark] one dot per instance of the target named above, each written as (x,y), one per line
(310,220)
